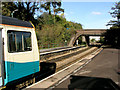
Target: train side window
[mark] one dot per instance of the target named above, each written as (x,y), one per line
(19,41)
(27,41)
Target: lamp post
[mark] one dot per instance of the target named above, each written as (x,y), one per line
(13,12)
(65,42)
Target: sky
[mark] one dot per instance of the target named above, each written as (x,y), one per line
(92,15)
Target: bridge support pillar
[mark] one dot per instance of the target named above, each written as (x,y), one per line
(83,39)
(87,40)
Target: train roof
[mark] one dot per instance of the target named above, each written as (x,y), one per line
(14,21)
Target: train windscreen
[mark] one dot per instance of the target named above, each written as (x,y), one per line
(1,57)
(0,50)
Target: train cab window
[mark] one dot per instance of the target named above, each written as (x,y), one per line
(19,41)
(12,46)
(1,51)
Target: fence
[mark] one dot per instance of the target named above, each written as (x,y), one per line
(52,45)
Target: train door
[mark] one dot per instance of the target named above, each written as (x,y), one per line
(20,55)
(1,58)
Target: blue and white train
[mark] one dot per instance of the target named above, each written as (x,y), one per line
(19,54)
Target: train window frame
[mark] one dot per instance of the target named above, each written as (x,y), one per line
(15,41)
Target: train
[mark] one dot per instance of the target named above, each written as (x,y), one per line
(19,54)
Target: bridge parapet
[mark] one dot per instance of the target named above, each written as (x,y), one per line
(87,32)
(92,32)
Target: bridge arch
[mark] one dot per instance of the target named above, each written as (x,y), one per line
(86,33)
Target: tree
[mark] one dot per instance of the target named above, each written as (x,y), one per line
(112,36)
(47,6)
(58,34)
(101,39)
(24,10)
(7,9)
(115,13)
(93,40)
(56,6)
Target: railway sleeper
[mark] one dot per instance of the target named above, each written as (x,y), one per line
(46,56)
(67,56)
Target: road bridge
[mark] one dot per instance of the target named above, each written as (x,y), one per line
(87,33)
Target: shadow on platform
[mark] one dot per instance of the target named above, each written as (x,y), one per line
(92,83)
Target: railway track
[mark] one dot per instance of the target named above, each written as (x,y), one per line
(64,59)
(65,54)
(45,55)
(59,48)
(80,54)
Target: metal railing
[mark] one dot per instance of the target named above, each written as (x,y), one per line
(52,45)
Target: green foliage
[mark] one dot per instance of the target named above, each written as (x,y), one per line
(58,33)
(22,10)
(102,40)
(52,7)
(112,37)
(115,13)
(7,8)
(83,43)
(93,40)
(80,40)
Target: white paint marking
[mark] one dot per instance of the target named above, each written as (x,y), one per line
(84,72)
(117,83)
